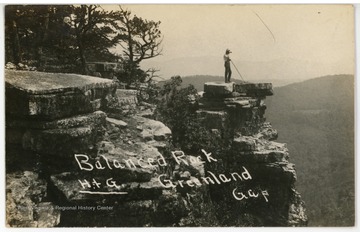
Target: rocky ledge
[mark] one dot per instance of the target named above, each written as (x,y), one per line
(34,95)
(235,113)
(81,153)
(91,168)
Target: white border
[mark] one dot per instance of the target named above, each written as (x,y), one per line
(2,115)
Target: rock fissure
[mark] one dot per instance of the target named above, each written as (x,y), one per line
(97,159)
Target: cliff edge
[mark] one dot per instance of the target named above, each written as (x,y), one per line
(80,152)
(266,196)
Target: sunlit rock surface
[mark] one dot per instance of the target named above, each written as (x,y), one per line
(89,154)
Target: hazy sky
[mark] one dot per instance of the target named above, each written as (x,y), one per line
(312,33)
(302,31)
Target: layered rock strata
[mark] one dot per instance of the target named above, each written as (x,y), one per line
(49,118)
(95,168)
(269,197)
(80,152)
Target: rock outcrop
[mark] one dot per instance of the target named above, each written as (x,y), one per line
(95,168)
(49,118)
(269,198)
(50,96)
(89,154)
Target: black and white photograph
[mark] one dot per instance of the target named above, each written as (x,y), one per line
(179,115)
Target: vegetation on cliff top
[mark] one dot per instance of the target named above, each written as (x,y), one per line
(64,38)
(176,107)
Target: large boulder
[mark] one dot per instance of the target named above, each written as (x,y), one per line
(152,129)
(218,88)
(51,96)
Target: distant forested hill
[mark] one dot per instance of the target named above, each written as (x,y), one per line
(199,80)
(316,120)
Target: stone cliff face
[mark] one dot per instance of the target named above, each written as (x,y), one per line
(49,118)
(268,198)
(80,152)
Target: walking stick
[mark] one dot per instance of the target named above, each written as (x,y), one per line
(238,71)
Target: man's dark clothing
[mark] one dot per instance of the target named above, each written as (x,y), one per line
(227,68)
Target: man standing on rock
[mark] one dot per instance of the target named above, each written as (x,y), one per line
(227,66)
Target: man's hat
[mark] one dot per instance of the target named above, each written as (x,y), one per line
(228,51)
